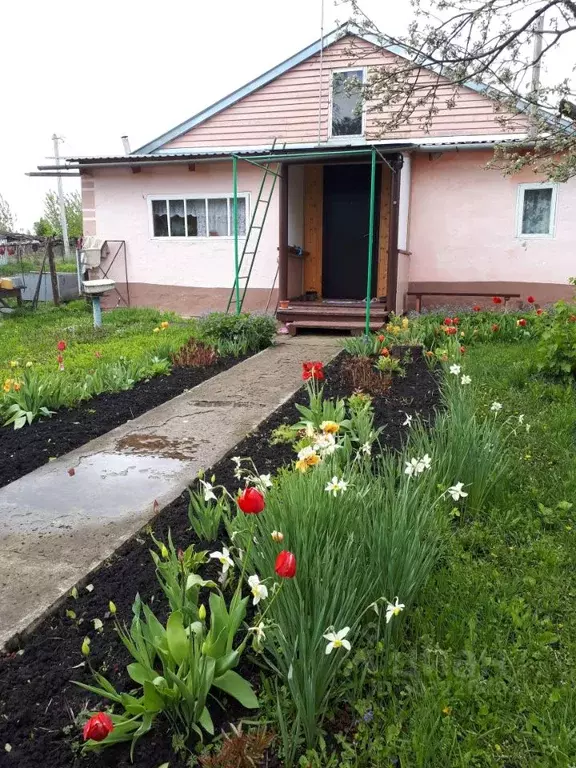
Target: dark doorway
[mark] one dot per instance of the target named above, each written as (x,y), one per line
(345,234)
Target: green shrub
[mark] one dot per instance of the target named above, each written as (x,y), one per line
(237,334)
(556,350)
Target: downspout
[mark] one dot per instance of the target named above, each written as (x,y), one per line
(392,288)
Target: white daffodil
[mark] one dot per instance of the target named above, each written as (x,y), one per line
(208,491)
(325,444)
(412,467)
(521,419)
(306,453)
(259,590)
(237,460)
(527,427)
(456,491)
(367,449)
(336,640)
(407,421)
(393,609)
(336,486)
(264,481)
(310,431)
(258,631)
(424,463)
(455,369)
(496,407)
(224,559)
(465,380)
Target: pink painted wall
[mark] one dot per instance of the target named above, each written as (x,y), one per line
(122,213)
(287,108)
(463,224)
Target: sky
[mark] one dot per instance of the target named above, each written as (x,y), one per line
(94,72)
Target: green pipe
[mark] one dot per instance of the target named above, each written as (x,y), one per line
(291,156)
(370,239)
(235,212)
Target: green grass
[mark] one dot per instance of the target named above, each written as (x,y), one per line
(487,673)
(32,336)
(14,268)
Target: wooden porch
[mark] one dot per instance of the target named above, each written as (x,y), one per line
(307,299)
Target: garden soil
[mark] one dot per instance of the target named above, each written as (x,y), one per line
(39,704)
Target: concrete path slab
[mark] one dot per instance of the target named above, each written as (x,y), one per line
(55,527)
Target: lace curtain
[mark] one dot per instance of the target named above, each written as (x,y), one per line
(537,211)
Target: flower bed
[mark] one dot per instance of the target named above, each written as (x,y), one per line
(36,721)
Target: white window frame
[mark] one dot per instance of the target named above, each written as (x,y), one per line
(353,136)
(198,196)
(520,211)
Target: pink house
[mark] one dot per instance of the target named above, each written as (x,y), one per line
(311,167)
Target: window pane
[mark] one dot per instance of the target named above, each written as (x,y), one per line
(347,103)
(196,215)
(241,216)
(176,208)
(159,218)
(218,217)
(537,211)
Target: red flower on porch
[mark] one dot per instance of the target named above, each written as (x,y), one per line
(496,300)
(530,299)
(313,371)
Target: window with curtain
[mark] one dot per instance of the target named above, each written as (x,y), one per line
(537,204)
(198,216)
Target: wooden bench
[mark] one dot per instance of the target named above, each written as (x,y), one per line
(458,294)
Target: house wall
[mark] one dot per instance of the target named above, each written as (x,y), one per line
(287,108)
(191,275)
(463,230)
(295,229)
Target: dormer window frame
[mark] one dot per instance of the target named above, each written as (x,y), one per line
(352,137)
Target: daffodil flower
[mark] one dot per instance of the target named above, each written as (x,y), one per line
(258,632)
(208,491)
(465,380)
(393,609)
(367,449)
(408,421)
(336,640)
(224,559)
(336,486)
(496,407)
(330,427)
(521,419)
(456,491)
(259,590)
(264,482)
(455,369)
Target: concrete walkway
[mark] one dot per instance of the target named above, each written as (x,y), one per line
(55,527)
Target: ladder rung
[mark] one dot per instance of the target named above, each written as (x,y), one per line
(262,200)
(256,226)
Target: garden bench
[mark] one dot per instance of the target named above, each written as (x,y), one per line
(466,294)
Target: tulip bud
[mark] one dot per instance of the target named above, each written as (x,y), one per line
(277,536)
(112,608)
(164,552)
(202,613)
(86,646)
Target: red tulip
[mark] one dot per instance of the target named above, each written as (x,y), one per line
(531,300)
(521,322)
(496,300)
(495,328)
(456,320)
(285,565)
(462,350)
(385,352)
(447,321)
(539,312)
(61,346)
(98,727)
(381,338)
(251,501)
(476,308)
(60,359)
(451,331)
(313,371)
(572,318)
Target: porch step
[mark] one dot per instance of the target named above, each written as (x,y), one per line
(334,324)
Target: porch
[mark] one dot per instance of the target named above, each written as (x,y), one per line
(338,241)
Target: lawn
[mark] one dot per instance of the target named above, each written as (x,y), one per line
(28,336)
(487,673)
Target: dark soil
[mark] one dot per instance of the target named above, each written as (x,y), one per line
(22,450)
(38,703)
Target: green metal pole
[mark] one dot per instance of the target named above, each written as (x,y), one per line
(235,211)
(370,239)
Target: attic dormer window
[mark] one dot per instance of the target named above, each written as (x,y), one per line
(347,114)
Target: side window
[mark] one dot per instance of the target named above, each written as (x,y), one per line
(347,114)
(197,217)
(536,210)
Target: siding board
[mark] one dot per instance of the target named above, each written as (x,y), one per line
(313,215)
(384,231)
(287,107)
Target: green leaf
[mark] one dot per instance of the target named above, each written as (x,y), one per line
(206,721)
(176,636)
(153,701)
(139,673)
(235,685)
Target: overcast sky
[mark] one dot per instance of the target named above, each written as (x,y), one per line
(93,72)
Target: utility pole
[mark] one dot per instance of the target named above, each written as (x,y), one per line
(536,68)
(63,223)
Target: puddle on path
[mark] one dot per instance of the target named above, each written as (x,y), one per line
(183,449)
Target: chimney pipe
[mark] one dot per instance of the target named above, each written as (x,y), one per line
(126,143)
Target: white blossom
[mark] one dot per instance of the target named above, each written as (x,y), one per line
(407,421)
(456,491)
(455,369)
(465,380)
(224,559)
(496,407)
(208,491)
(393,609)
(259,590)
(336,640)
(336,486)
(367,449)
